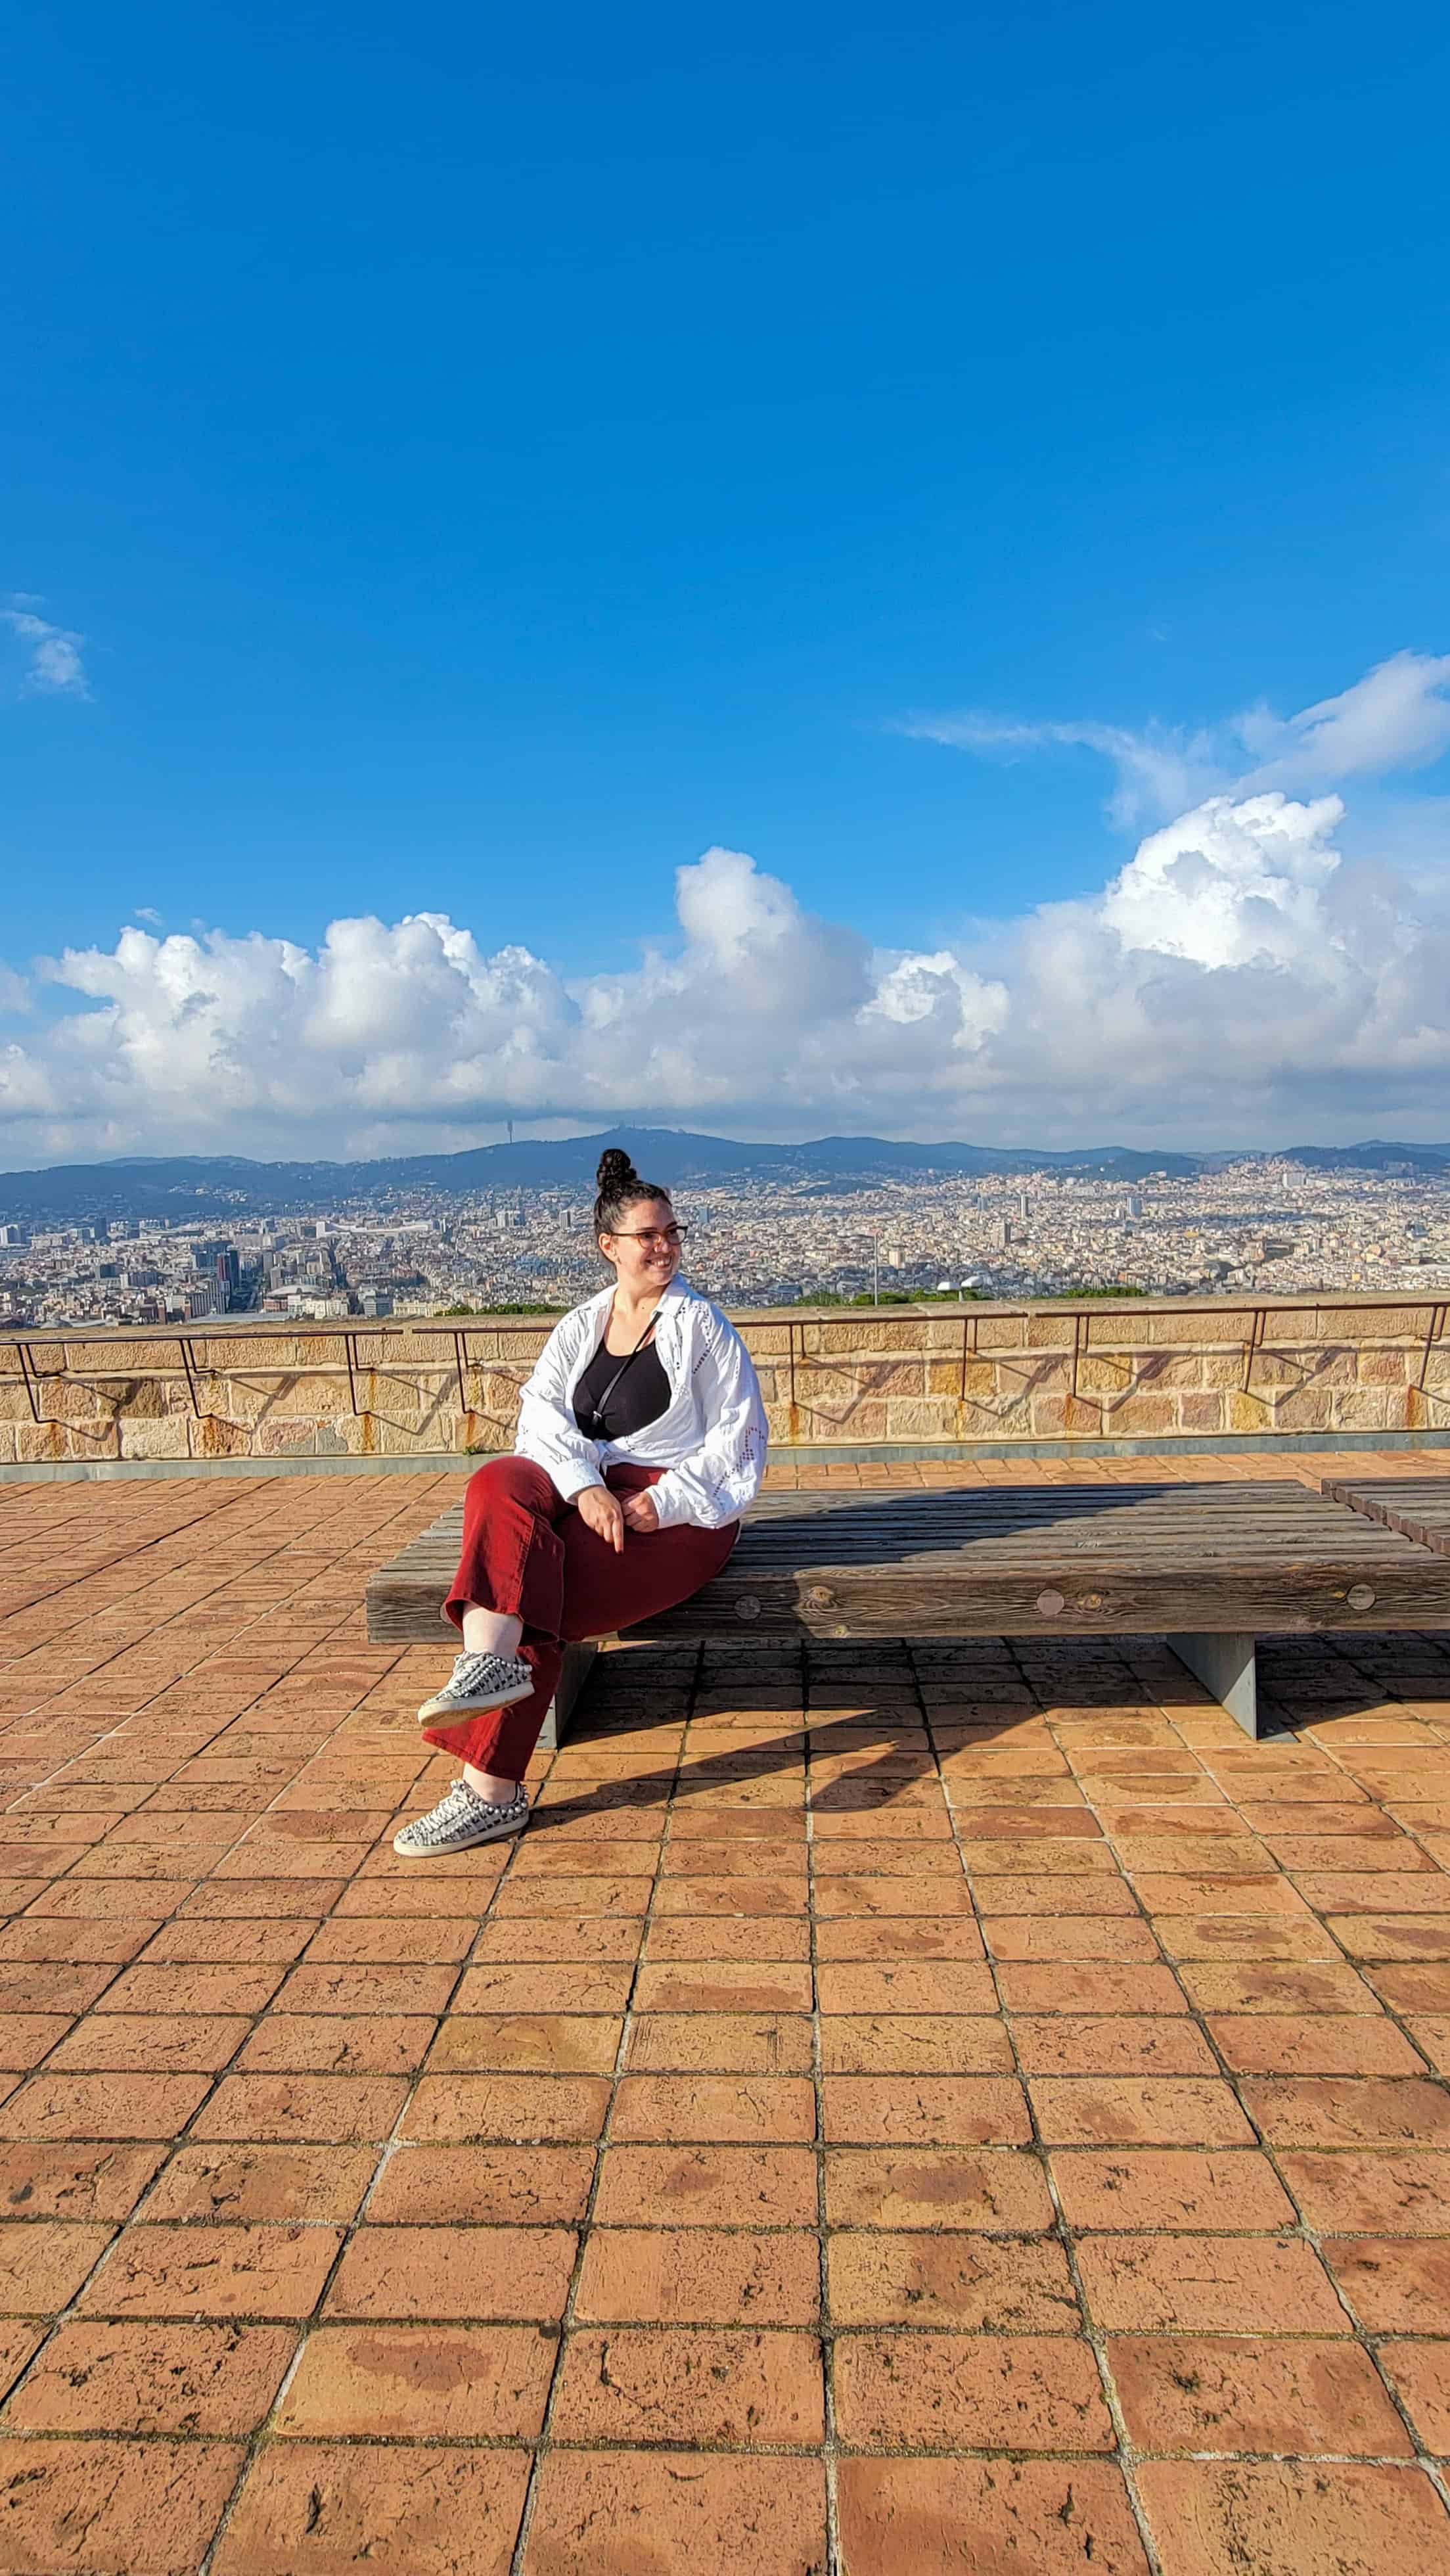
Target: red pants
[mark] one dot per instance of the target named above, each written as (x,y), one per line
(527,1554)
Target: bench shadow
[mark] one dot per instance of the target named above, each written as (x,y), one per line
(878,1780)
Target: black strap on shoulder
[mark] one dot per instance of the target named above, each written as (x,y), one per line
(597,1410)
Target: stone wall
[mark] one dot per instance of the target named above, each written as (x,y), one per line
(849,1376)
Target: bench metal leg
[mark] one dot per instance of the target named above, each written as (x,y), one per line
(577,1663)
(1225,1665)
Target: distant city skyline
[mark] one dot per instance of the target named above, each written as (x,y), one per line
(837,571)
(757,1238)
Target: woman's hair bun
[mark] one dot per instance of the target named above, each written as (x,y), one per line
(616,1172)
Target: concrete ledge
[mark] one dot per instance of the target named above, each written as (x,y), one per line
(855,1453)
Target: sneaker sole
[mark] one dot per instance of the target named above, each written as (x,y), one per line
(441,1712)
(441,1851)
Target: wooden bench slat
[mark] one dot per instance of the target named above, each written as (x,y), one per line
(1207,1564)
(1415,1507)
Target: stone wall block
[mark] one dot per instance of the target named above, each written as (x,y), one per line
(1249,1413)
(861,1373)
(267,1352)
(923,1417)
(1115,1374)
(122,1357)
(866,1421)
(1387,1367)
(892,1376)
(1052,1332)
(839,1392)
(1231,1324)
(141,1398)
(237,1399)
(867,1332)
(766,1341)
(91,1439)
(520,1350)
(316,1398)
(1001,1332)
(1358,1324)
(1273,1369)
(213,1437)
(405,1400)
(1105,1373)
(402,1440)
(480,1343)
(284,1436)
(1331,1363)
(1180,1370)
(1202,1413)
(69,1399)
(439,1416)
(318,1350)
(1367,1408)
(1064,1417)
(499,1392)
(1035,1373)
(155,1439)
(837,1388)
(1011,1419)
(42,1443)
(433,1350)
(1304,1408)
(1137,1413)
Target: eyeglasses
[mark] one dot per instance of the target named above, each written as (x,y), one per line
(671,1235)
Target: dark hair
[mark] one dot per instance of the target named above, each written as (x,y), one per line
(620,1188)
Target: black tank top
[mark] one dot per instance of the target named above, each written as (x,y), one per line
(640,1393)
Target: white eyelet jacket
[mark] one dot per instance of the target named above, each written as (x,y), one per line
(710,1439)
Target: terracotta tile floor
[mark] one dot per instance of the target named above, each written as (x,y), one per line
(899,2110)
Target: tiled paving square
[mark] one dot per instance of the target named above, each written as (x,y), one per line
(901,2110)
(426,2508)
(156,2378)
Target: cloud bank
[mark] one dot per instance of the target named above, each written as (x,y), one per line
(1240,979)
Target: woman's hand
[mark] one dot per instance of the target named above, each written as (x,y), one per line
(640,1514)
(600,1511)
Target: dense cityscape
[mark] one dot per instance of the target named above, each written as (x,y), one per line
(1272,1227)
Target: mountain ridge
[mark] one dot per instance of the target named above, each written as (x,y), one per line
(230,1186)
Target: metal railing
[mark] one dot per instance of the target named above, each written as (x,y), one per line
(1100,1329)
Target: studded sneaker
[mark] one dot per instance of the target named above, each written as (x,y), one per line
(478,1682)
(460,1820)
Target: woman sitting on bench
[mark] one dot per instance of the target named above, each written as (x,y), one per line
(641,1440)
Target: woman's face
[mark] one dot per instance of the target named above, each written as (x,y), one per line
(646,1251)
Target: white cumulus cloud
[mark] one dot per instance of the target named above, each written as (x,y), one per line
(1245,976)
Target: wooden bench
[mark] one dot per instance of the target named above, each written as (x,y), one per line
(1210,1566)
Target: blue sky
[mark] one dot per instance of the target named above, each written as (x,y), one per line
(490,458)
